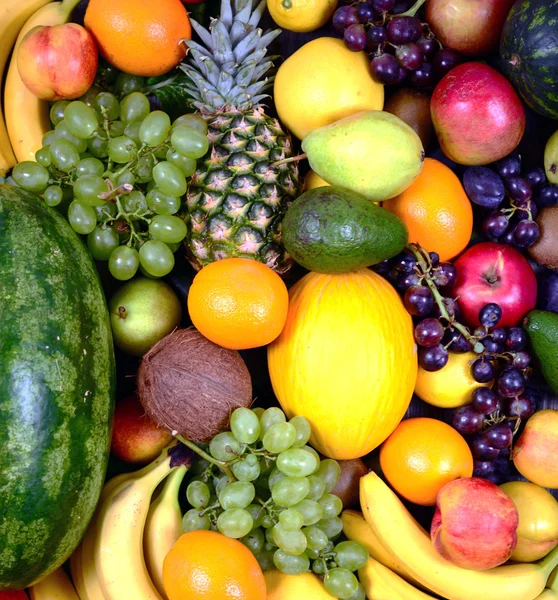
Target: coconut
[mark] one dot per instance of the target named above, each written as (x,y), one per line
(190,385)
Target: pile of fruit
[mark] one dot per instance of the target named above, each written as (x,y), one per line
(279,300)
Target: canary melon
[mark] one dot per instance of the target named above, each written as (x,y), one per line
(346,360)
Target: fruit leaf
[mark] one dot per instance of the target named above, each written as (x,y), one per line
(167,92)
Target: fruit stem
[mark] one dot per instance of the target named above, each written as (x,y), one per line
(218,463)
(413,10)
(288,160)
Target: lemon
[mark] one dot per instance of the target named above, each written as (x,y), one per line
(322,82)
(313,180)
(451,386)
(301,15)
(307,586)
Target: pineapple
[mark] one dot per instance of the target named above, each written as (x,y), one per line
(237,197)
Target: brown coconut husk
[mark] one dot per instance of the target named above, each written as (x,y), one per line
(190,385)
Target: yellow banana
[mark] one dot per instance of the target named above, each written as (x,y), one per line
(552,582)
(27,117)
(548,594)
(13,16)
(163,527)
(57,586)
(404,538)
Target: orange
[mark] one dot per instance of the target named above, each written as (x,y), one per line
(238,303)
(140,37)
(421,456)
(206,565)
(436,210)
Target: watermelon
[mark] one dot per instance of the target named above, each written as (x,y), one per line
(57,383)
(529,53)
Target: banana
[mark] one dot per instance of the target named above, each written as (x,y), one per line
(13,16)
(163,527)
(27,117)
(57,586)
(404,538)
(552,582)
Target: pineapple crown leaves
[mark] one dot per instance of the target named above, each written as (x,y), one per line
(229,68)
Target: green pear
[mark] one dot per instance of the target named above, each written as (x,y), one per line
(373,153)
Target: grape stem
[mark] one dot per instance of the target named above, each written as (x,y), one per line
(413,10)
(218,463)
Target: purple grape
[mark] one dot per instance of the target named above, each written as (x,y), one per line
(385,68)
(492,346)
(355,37)
(495,225)
(499,436)
(434,258)
(484,187)
(429,46)
(482,450)
(490,314)
(343,17)
(511,382)
(451,308)
(519,188)
(404,262)
(376,36)
(484,400)
(429,332)
(523,406)
(365,12)
(497,478)
(509,166)
(423,76)
(402,76)
(406,280)
(447,273)
(521,360)
(401,6)
(446,60)
(467,421)
(507,238)
(536,176)
(516,339)
(483,468)
(418,300)
(434,358)
(482,370)
(402,30)
(526,234)
(499,335)
(548,195)
(383,6)
(455,341)
(409,56)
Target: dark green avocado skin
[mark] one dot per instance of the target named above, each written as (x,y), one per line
(542,329)
(333,230)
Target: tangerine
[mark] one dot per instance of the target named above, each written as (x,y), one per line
(421,456)
(238,303)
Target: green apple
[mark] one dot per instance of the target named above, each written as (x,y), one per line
(142,312)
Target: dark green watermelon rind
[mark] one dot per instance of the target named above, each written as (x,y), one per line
(57,383)
(529,52)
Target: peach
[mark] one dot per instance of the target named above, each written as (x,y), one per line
(58,62)
(475,524)
(535,452)
(135,437)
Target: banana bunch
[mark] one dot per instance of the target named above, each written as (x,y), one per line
(403,559)
(56,586)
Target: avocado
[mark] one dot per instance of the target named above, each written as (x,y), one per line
(542,329)
(331,229)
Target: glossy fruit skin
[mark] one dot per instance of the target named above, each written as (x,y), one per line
(57,387)
(490,272)
(527,50)
(281,586)
(477,115)
(346,337)
(301,15)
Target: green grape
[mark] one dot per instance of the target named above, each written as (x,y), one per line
(189,142)
(319,567)
(132,131)
(122,149)
(291,519)
(169,179)
(102,241)
(116,129)
(235,523)
(265,559)
(257,512)
(266,466)
(89,97)
(270,540)
(312,554)
(316,538)
(162,204)
(168,229)
(310,510)
(198,494)
(254,541)
(303,430)
(291,564)
(351,555)
(107,103)
(81,217)
(48,138)
(64,155)
(156,258)
(186,165)
(297,462)
(258,411)
(134,107)
(42,156)
(161,151)
(57,111)
(83,155)
(106,73)
(315,455)
(221,483)
(126,177)
(329,471)
(360,594)
(290,491)
(123,263)
(332,527)
(192,521)
(225,447)
(81,120)
(245,425)
(31,176)
(279,437)
(63,133)
(53,195)
(317,487)
(88,188)
(90,166)
(238,494)
(155,128)
(292,542)
(174,247)
(98,147)
(144,169)
(245,471)
(134,202)
(269,417)
(331,504)
(274,477)
(267,521)
(341,583)
(191,120)
(126,84)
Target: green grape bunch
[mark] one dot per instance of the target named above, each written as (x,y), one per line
(263,484)
(119,172)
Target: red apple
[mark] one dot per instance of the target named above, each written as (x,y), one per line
(471,26)
(477,115)
(475,524)
(58,62)
(489,272)
(135,437)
